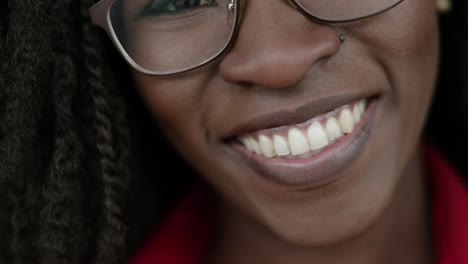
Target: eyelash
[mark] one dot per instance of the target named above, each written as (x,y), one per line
(175,7)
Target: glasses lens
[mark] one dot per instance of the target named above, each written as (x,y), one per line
(342,10)
(169,36)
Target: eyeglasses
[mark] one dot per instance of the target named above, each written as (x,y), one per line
(166,37)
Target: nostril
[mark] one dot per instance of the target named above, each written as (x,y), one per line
(270,72)
(278,64)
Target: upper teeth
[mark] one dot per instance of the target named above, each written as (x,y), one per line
(313,135)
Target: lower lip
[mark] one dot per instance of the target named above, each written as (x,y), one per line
(319,169)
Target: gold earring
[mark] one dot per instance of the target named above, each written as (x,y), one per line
(444,6)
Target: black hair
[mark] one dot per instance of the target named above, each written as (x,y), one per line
(447,125)
(59,108)
(70,125)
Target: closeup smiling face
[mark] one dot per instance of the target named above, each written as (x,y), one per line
(248,120)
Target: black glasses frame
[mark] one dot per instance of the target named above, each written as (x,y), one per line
(100,16)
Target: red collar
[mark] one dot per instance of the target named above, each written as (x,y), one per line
(449,210)
(185,235)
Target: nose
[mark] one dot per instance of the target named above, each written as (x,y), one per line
(276,46)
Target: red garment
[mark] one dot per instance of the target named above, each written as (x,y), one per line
(185,236)
(449,210)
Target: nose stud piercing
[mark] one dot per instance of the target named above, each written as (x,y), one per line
(342,37)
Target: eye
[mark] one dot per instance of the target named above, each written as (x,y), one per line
(175,7)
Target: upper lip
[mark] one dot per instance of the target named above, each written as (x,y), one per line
(294,115)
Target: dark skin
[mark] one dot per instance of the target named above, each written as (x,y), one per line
(374,211)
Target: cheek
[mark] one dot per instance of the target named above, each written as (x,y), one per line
(412,65)
(175,105)
(404,42)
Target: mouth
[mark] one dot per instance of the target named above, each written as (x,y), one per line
(310,153)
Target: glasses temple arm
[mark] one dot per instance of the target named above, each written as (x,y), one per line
(98,13)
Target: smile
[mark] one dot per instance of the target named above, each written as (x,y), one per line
(311,153)
(308,138)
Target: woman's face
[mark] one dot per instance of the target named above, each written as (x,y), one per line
(285,74)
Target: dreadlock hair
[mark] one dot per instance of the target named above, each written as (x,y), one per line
(57,97)
(67,135)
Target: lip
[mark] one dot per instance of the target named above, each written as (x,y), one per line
(319,169)
(295,115)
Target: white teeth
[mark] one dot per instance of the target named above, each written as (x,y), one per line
(297,142)
(346,121)
(281,145)
(247,143)
(317,136)
(305,143)
(332,129)
(267,147)
(362,106)
(255,146)
(357,113)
